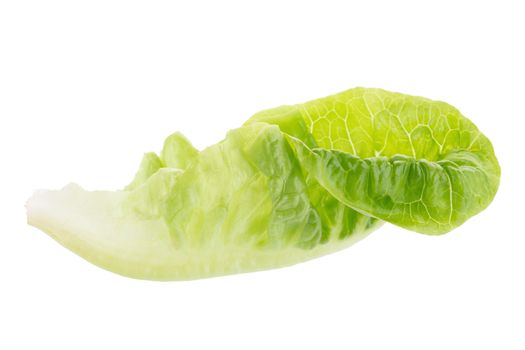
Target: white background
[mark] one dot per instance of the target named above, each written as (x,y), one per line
(87,86)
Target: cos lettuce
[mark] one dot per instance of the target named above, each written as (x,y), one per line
(294,183)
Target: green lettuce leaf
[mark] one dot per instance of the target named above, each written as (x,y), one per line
(294,183)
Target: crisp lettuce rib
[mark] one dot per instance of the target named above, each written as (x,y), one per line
(242,205)
(294,183)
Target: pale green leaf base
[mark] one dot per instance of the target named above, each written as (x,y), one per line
(95,226)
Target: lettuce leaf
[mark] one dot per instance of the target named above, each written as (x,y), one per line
(294,183)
